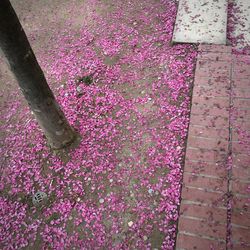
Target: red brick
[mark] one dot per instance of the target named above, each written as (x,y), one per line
(207,143)
(240,83)
(208,64)
(213,91)
(213,72)
(242,70)
(241,103)
(204,212)
(205,155)
(240,218)
(240,160)
(241,203)
(202,196)
(241,58)
(241,172)
(241,74)
(212,66)
(209,121)
(213,56)
(242,125)
(240,235)
(240,187)
(206,168)
(212,111)
(194,242)
(243,114)
(242,93)
(218,82)
(202,228)
(219,102)
(239,148)
(207,183)
(241,137)
(210,132)
(238,62)
(240,246)
(215,48)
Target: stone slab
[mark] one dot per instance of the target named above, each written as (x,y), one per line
(201,21)
(242,26)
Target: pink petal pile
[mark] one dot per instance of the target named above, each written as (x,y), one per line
(120,187)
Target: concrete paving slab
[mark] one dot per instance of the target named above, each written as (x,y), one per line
(242,26)
(201,21)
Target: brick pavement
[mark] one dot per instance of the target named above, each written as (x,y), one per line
(216,172)
(240,146)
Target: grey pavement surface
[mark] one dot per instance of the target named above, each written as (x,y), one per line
(201,21)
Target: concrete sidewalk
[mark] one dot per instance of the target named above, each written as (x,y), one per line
(200,21)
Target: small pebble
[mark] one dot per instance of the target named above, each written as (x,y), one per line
(130,224)
(101,200)
(150,191)
(79,89)
(111,180)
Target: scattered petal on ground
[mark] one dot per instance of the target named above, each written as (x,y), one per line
(126,91)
